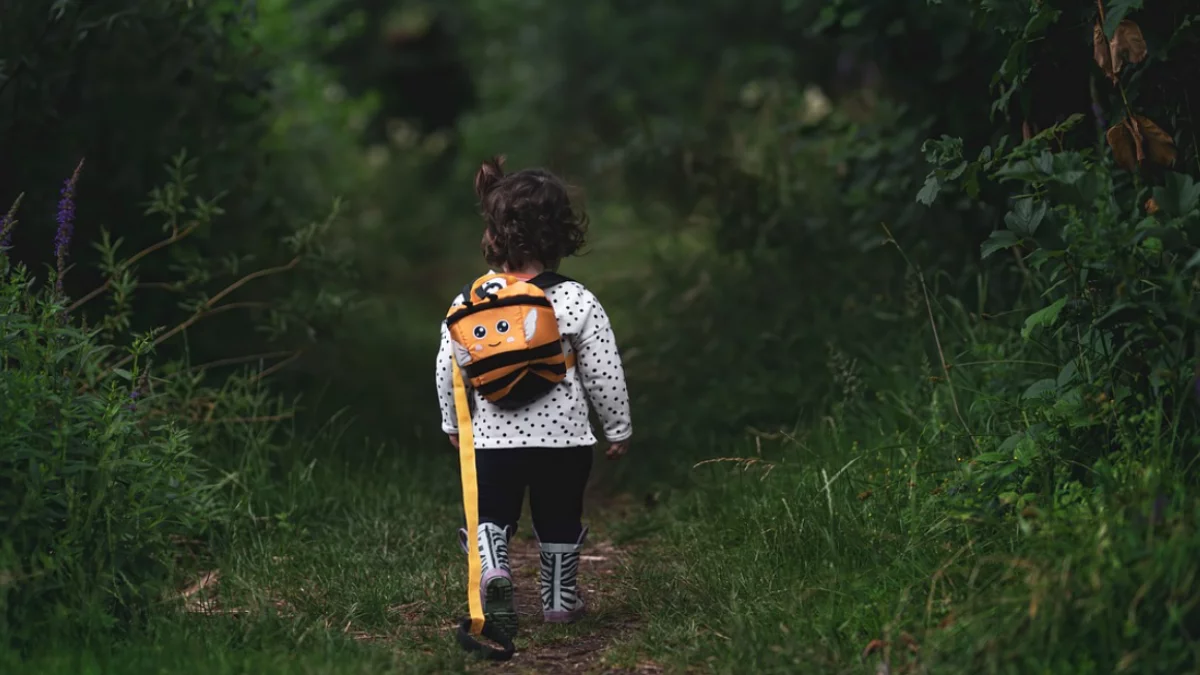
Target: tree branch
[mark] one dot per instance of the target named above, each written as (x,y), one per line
(234,360)
(208,308)
(277,367)
(131,260)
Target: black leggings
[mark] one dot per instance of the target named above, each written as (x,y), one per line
(556,478)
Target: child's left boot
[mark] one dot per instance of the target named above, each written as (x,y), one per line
(561,600)
(496,582)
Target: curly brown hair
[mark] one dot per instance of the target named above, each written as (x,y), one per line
(529,217)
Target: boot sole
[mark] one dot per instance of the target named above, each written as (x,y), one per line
(498,606)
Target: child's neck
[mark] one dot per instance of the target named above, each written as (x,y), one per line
(531,270)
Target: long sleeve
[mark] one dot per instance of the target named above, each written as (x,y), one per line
(601,371)
(445,385)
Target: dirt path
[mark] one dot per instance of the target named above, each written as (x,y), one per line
(582,647)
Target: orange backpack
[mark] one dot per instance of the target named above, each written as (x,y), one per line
(505,338)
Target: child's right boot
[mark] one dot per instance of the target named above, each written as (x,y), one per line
(496,582)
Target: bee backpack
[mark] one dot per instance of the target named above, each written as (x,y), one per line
(505,338)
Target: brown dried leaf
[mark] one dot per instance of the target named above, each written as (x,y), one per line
(1122,144)
(872,647)
(1102,51)
(1160,147)
(1135,129)
(1152,208)
(1127,46)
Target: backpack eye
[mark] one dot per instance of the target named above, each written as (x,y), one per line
(501,326)
(480,332)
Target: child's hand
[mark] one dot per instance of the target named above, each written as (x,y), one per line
(617,450)
(453,440)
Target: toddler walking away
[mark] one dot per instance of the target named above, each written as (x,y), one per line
(534,348)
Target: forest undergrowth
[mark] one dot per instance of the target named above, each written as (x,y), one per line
(911,346)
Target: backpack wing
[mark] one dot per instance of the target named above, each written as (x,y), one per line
(531,319)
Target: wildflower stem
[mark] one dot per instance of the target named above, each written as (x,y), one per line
(937,340)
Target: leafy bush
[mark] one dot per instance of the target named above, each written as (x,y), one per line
(117,453)
(95,489)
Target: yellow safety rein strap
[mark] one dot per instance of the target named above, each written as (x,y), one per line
(474,626)
(470,628)
(470,492)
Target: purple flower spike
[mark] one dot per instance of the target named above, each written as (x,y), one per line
(66,222)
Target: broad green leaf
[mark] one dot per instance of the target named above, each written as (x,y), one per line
(1067,374)
(1011,442)
(1040,388)
(1007,470)
(998,241)
(971,183)
(1180,196)
(929,191)
(1045,316)
(1039,22)
(1044,163)
(1025,217)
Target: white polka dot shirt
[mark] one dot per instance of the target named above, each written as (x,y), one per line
(560,418)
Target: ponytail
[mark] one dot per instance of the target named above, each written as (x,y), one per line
(489,174)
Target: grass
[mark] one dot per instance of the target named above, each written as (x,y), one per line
(362,576)
(863,536)
(796,552)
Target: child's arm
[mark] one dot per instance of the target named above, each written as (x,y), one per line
(601,371)
(445,387)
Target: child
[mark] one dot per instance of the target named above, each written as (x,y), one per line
(545,445)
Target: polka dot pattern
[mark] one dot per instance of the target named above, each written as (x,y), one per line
(559,419)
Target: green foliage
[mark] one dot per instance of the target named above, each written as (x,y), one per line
(114,446)
(95,488)
(993,460)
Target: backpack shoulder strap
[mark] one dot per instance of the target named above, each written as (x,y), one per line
(547,279)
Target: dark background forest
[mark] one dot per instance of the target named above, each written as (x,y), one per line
(906,292)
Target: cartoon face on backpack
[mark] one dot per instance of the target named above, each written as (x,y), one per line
(493,332)
(505,338)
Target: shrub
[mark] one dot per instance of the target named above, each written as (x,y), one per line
(117,454)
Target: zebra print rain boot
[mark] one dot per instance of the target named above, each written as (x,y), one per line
(496,582)
(561,599)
